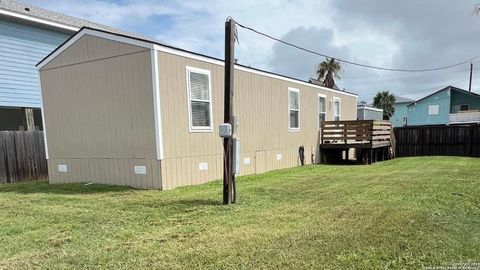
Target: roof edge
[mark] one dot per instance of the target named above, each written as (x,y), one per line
(172,50)
(35,19)
(369,108)
(91,31)
(443,89)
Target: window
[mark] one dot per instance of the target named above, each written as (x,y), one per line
(336,109)
(294,108)
(200,100)
(433,109)
(322,109)
(461,108)
(464,107)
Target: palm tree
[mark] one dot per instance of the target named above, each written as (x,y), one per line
(327,71)
(386,101)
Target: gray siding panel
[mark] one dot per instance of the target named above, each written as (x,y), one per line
(21,48)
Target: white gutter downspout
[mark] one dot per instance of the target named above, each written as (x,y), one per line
(156,104)
(44,124)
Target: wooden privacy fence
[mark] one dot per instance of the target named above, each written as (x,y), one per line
(22,156)
(452,140)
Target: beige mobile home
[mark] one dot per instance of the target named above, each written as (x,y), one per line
(124,111)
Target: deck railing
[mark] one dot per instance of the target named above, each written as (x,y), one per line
(472,117)
(374,132)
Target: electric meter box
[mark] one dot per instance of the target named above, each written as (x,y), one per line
(225,130)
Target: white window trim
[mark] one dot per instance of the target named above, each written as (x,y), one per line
(318,111)
(291,89)
(208,73)
(339,108)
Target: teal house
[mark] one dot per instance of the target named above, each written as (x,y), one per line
(450,105)
(399,117)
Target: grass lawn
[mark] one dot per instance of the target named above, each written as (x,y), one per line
(403,213)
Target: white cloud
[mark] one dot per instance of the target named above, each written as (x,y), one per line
(404,34)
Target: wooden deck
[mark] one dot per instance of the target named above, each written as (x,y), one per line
(372,140)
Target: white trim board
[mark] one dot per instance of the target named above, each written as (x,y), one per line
(37,20)
(43,120)
(264,73)
(156,105)
(100,34)
(369,108)
(179,52)
(242,68)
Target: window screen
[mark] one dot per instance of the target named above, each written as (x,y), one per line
(322,109)
(294,109)
(199,87)
(336,109)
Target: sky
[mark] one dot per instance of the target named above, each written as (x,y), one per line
(407,34)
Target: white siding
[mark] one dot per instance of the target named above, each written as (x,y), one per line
(21,48)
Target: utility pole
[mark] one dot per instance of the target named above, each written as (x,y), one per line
(470,84)
(228,110)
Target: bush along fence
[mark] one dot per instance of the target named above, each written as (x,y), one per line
(22,156)
(452,140)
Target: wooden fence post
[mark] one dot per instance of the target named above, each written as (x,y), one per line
(470,142)
(420,140)
(22,156)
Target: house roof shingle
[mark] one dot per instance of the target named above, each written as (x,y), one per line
(399,99)
(55,17)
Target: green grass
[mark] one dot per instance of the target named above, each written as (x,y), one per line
(404,213)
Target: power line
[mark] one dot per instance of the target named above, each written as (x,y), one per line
(399,76)
(351,62)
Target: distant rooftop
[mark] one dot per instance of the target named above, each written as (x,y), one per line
(449,88)
(320,82)
(399,99)
(71,24)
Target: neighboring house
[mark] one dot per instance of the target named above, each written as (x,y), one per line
(320,82)
(128,111)
(27,35)
(399,117)
(450,105)
(366,112)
